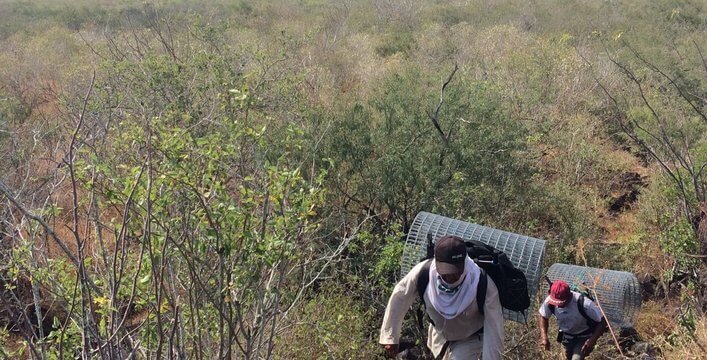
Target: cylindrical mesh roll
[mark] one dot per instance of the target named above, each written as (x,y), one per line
(618,292)
(526,253)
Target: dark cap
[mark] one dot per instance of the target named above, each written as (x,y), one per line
(450,255)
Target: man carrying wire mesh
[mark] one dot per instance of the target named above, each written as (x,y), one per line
(579,319)
(464,323)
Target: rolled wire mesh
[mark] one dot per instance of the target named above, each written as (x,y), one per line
(618,292)
(526,253)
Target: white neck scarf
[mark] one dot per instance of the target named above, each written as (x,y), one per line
(449,305)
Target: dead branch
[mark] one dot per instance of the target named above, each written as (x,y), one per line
(62,245)
(435,115)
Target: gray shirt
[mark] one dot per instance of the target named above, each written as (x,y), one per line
(569,320)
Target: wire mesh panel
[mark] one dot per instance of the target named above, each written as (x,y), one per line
(526,253)
(618,292)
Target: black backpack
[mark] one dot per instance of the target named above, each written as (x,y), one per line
(510,281)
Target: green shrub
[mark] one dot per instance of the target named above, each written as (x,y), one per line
(396,42)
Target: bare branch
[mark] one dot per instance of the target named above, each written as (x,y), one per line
(702,57)
(671,80)
(435,115)
(62,245)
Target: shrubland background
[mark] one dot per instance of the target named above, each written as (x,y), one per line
(234,179)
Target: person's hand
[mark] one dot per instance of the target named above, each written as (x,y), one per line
(391,350)
(588,346)
(544,343)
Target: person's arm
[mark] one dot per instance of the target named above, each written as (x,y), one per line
(401,299)
(588,345)
(544,314)
(493,324)
(543,324)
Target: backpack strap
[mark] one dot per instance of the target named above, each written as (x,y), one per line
(430,250)
(481,290)
(580,306)
(444,350)
(423,278)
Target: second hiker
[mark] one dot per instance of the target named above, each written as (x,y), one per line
(580,321)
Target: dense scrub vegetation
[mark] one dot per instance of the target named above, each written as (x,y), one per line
(233,179)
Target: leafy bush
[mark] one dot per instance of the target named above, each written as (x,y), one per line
(396,42)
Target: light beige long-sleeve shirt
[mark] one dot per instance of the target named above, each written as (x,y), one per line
(461,327)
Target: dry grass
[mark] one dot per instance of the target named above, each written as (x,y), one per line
(655,320)
(657,324)
(688,350)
